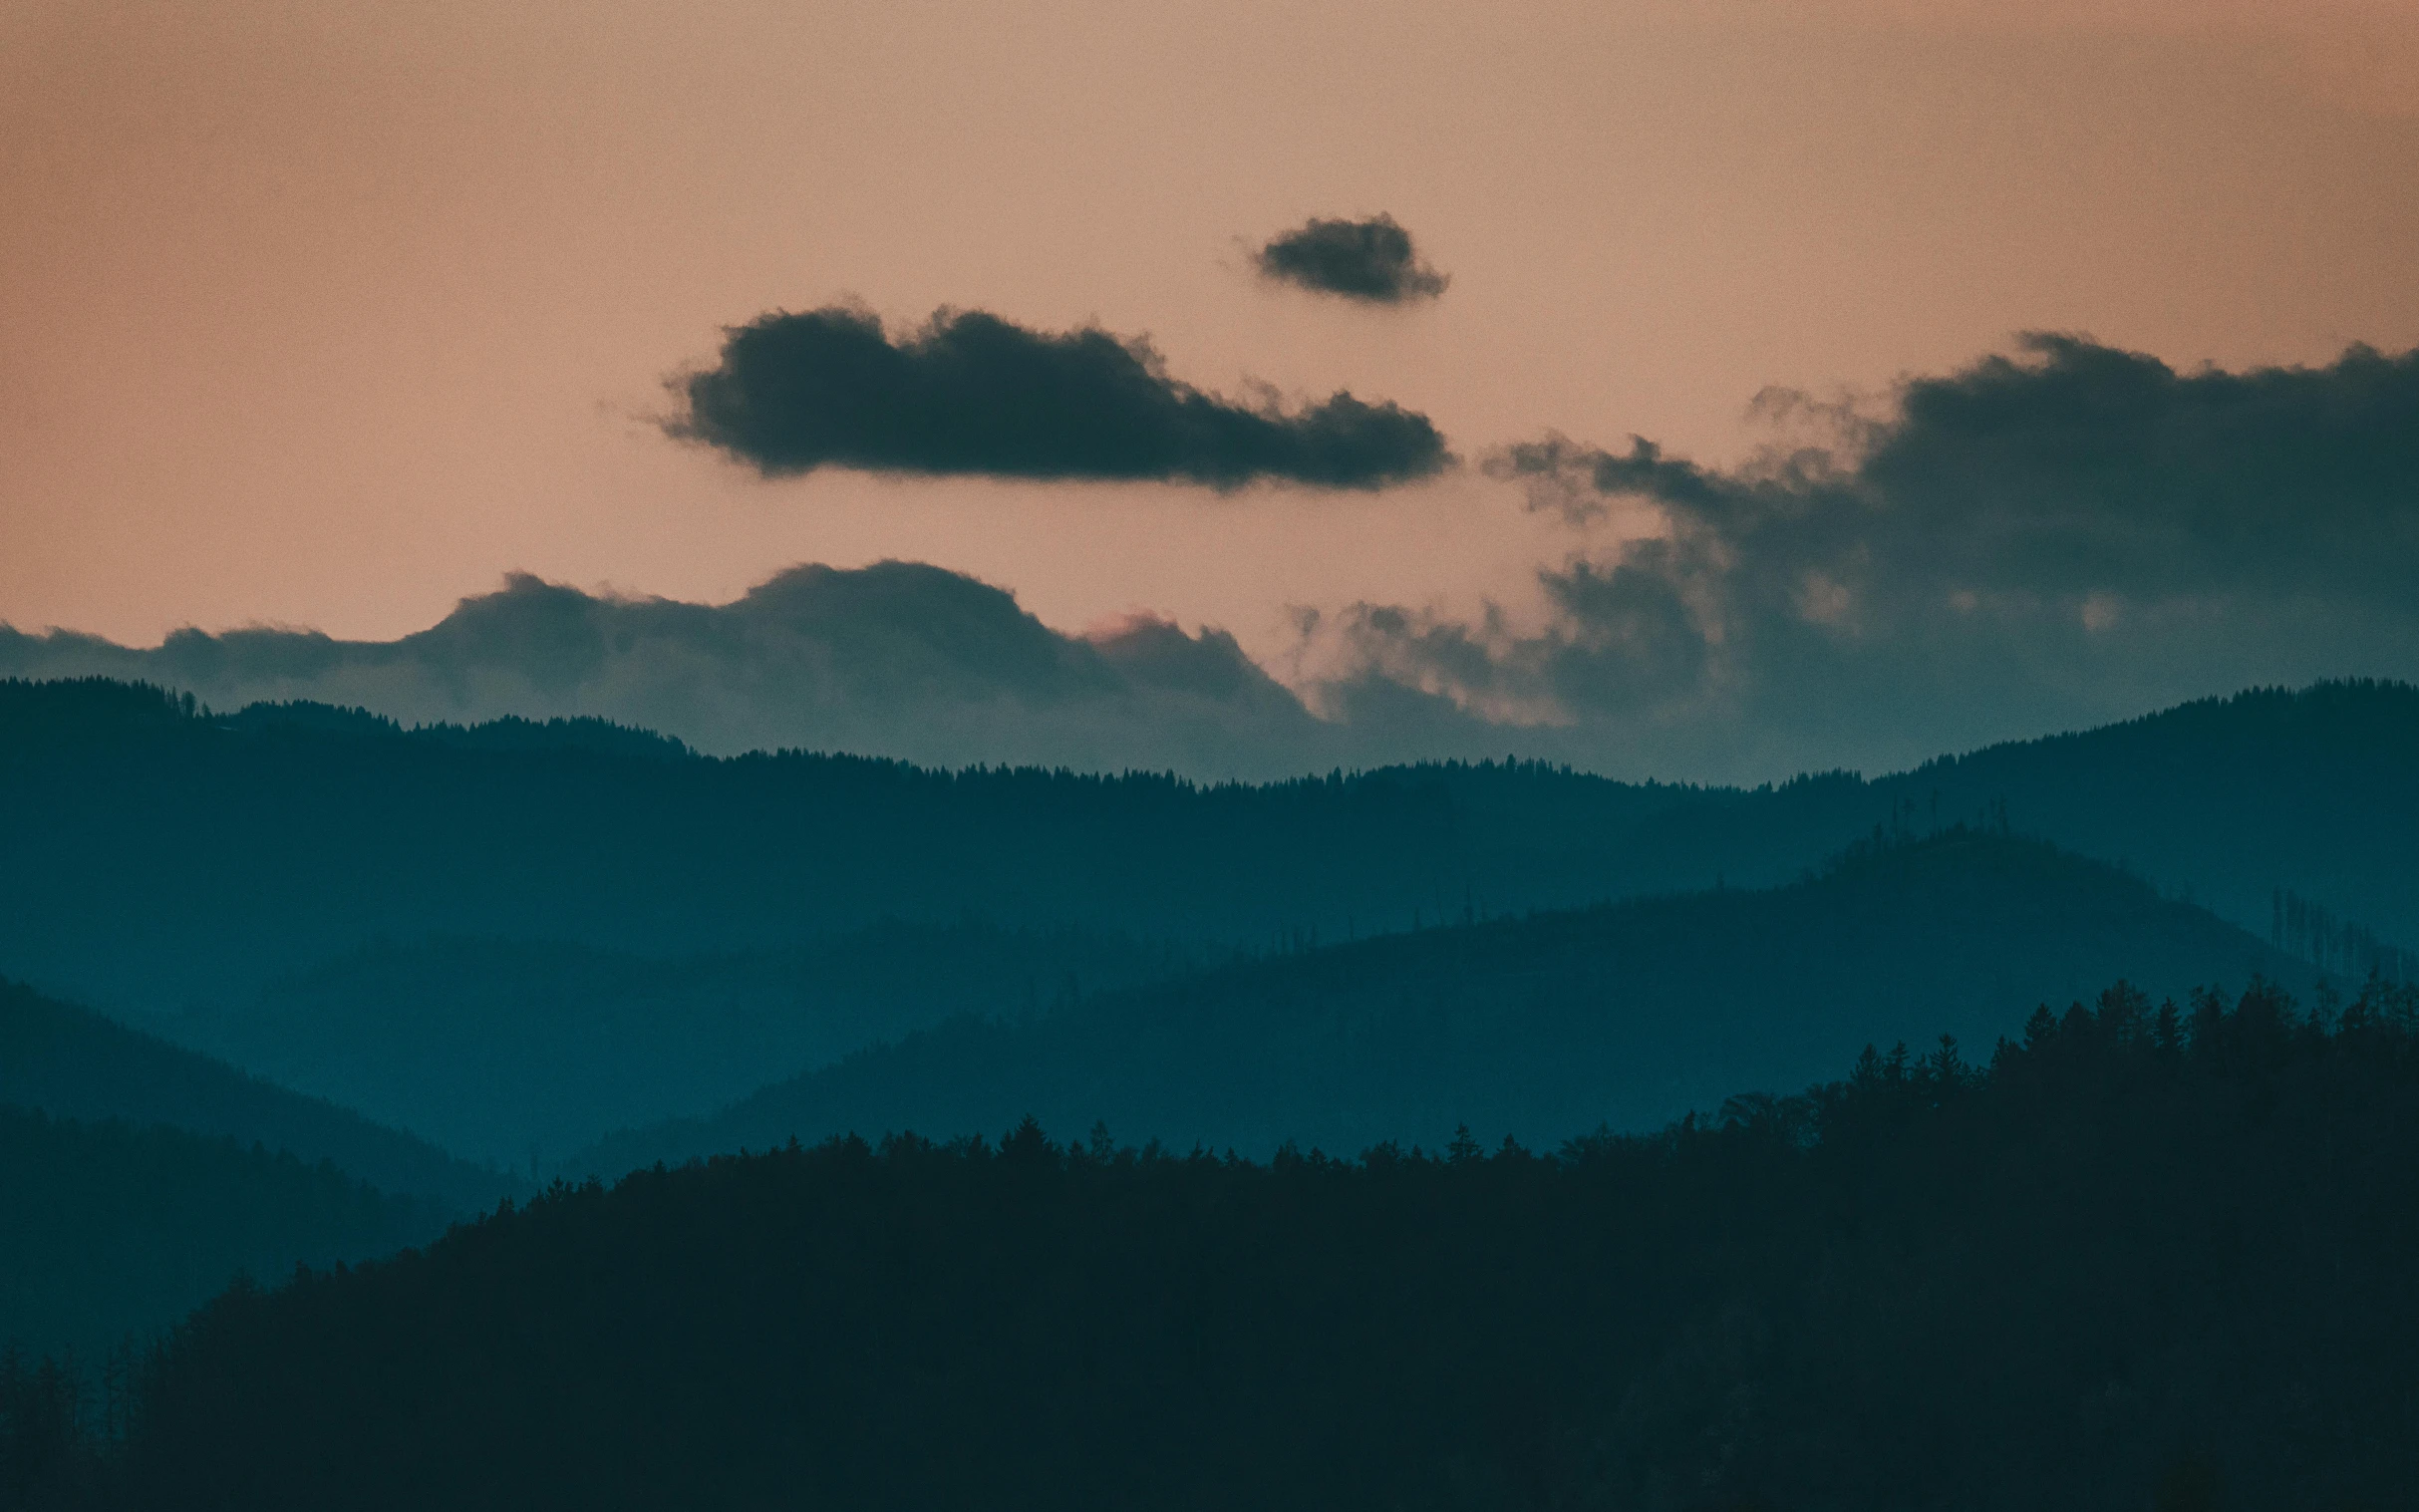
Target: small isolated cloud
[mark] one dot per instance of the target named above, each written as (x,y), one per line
(972,393)
(1370,260)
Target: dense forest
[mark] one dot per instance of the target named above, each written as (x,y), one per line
(114,1230)
(75,1063)
(1631,1013)
(2143,1256)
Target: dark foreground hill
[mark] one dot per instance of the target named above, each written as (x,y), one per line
(1629,1014)
(108,1230)
(2146,1259)
(75,1063)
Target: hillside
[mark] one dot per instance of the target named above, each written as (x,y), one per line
(2142,1260)
(512,937)
(509,1051)
(2228,798)
(73,1063)
(1542,1027)
(107,1229)
(158,858)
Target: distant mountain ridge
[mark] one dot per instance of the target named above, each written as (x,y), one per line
(2315,790)
(512,1051)
(156,854)
(71,1063)
(291,873)
(1539,1028)
(110,1229)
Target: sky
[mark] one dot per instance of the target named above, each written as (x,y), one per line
(433,356)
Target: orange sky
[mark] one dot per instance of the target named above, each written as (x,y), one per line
(328,314)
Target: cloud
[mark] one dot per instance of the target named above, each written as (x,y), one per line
(1369,261)
(2068,533)
(2047,540)
(970,393)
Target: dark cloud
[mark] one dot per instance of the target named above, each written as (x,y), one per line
(1360,259)
(2055,538)
(971,393)
(2063,536)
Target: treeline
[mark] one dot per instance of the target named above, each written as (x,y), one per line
(157,854)
(2147,1256)
(1630,1013)
(2309,929)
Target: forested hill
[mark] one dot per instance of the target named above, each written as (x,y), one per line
(75,1063)
(154,855)
(2233,798)
(507,1051)
(109,1230)
(1541,1027)
(2142,1261)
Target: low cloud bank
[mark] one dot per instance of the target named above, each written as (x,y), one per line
(970,393)
(2050,539)
(896,659)
(2061,536)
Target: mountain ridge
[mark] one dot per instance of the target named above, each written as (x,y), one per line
(72,1062)
(1539,1026)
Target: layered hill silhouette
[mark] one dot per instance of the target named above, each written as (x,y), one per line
(164,855)
(514,1053)
(73,1063)
(1539,1028)
(111,1233)
(158,856)
(511,937)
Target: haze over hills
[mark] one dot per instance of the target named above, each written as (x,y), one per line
(165,857)
(508,937)
(517,1051)
(73,1063)
(161,855)
(514,937)
(2226,800)
(1539,1028)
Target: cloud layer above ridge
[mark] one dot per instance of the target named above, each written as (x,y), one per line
(2048,539)
(2059,536)
(898,659)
